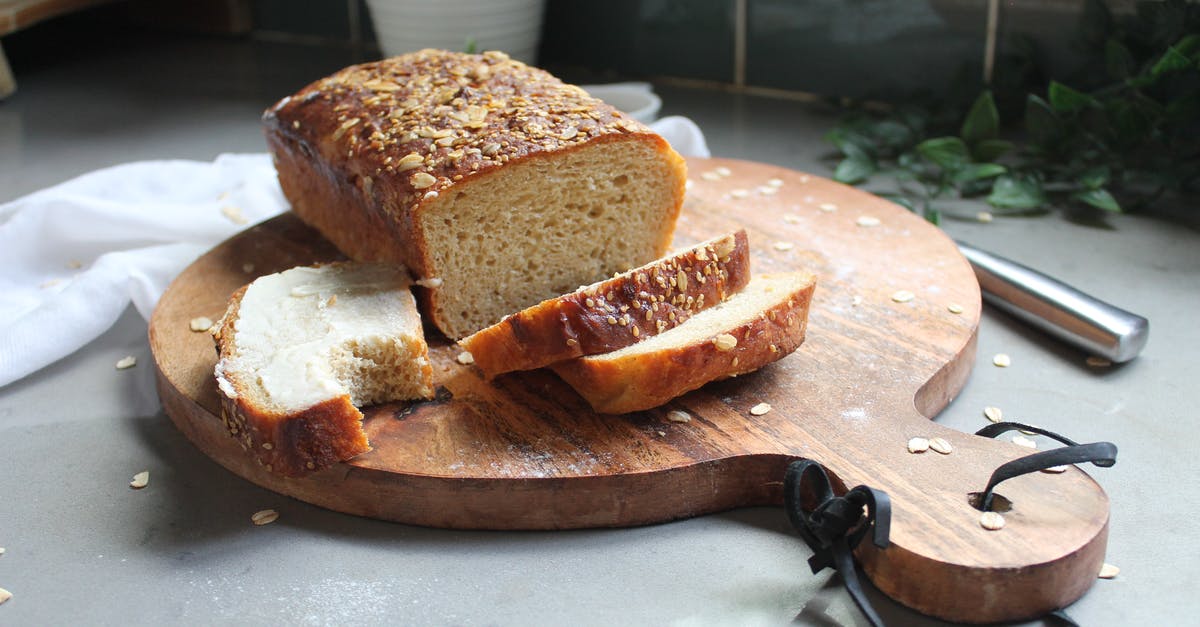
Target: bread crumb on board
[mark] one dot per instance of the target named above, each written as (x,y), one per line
(125,362)
(991,521)
(760,409)
(676,415)
(918,445)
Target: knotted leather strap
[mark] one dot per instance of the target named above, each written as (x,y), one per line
(836,524)
(1103,454)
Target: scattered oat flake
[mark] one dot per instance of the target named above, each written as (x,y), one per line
(264,517)
(991,521)
(903,296)
(775,182)
(739,193)
(954,308)
(993,414)
(760,409)
(856,301)
(1108,571)
(4,595)
(941,445)
(1002,360)
(1054,470)
(867,221)
(1021,440)
(791,219)
(74,264)
(661,434)
(768,191)
(2,549)
(804,178)
(127,361)
(200,324)
(465,358)
(918,445)
(50,283)
(827,207)
(984,216)
(676,415)
(724,342)
(711,176)
(1098,362)
(723,171)
(140,480)
(784,245)
(234,214)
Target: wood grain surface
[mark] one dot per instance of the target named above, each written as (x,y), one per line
(525,452)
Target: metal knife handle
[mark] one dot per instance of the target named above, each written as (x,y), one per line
(1058,308)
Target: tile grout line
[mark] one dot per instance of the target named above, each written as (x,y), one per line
(739,43)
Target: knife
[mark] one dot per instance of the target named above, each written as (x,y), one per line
(1053,306)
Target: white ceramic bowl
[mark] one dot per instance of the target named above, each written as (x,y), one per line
(512,26)
(635,99)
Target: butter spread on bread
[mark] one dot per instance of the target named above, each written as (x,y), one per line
(300,349)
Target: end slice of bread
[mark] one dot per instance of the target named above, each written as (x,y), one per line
(763,323)
(618,312)
(300,349)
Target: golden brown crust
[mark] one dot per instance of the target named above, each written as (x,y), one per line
(296,444)
(645,380)
(388,136)
(617,312)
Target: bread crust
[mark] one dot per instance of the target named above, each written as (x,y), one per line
(645,380)
(362,154)
(617,312)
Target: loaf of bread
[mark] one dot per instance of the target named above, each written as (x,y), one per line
(763,323)
(300,349)
(611,314)
(498,185)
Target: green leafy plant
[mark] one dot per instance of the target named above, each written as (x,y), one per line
(1116,145)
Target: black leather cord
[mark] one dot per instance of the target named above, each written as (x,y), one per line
(836,524)
(1103,454)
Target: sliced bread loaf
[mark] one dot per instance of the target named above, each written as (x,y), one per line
(301,348)
(630,307)
(497,184)
(763,323)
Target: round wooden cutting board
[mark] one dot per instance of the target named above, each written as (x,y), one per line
(525,452)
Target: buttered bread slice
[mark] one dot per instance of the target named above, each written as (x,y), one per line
(763,323)
(300,349)
(611,314)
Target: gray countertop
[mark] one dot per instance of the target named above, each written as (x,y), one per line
(83,548)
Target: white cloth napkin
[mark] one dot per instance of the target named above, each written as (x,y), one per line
(75,255)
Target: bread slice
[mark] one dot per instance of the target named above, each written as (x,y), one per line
(605,316)
(301,348)
(498,185)
(763,323)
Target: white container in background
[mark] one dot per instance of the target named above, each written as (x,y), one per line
(512,26)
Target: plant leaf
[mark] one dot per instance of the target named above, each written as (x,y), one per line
(948,153)
(982,122)
(1172,60)
(892,134)
(1118,60)
(1094,178)
(850,143)
(854,170)
(990,149)
(1098,198)
(1041,122)
(1009,192)
(1064,99)
(976,171)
